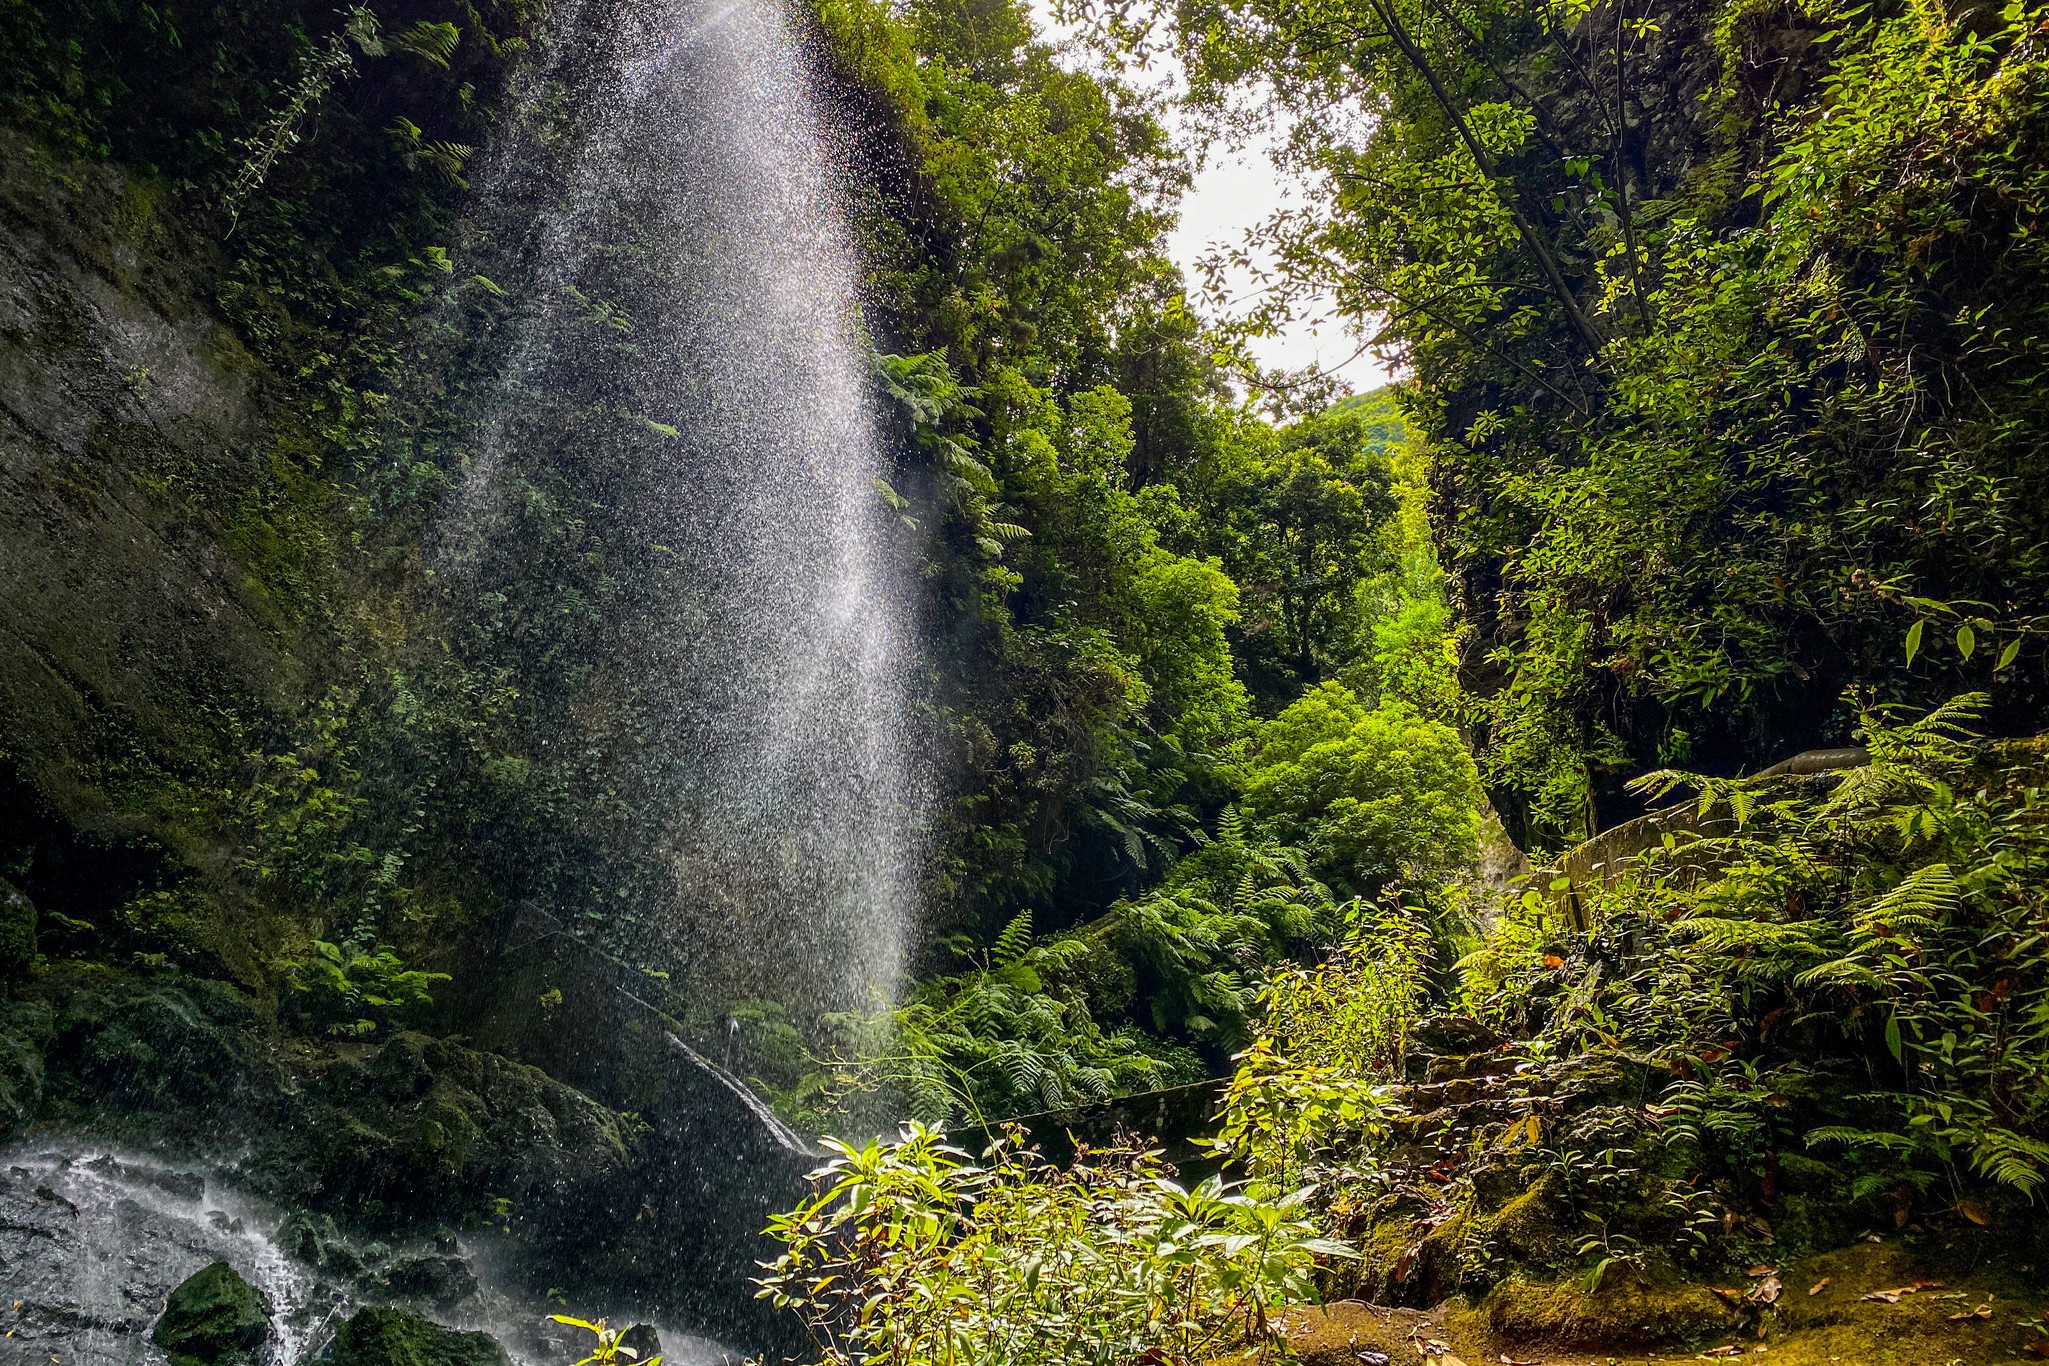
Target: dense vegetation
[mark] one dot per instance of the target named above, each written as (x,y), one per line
(1721,440)
(1724,328)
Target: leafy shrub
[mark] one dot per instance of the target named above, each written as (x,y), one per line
(910,1254)
(1371,792)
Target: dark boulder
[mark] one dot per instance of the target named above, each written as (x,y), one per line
(392,1337)
(315,1240)
(1451,1036)
(214,1318)
(442,1279)
(643,1341)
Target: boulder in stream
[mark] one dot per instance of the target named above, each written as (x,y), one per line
(392,1337)
(213,1318)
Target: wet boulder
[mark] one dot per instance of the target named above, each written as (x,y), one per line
(442,1279)
(392,1337)
(315,1240)
(213,1318)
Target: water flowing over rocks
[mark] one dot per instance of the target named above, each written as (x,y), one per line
(107,1259)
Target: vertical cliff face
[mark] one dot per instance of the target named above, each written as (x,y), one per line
(164,583)
(268,763)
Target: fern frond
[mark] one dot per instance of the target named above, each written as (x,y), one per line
(432,42)
(1860,1138)
(1840,972)
(1015,941)
(1922,896)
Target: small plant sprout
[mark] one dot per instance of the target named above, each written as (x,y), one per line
(610,1348)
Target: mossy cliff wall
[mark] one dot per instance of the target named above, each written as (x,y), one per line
(240,720)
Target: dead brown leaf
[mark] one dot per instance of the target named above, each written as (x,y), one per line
(2037,1348)
(1762,1271)
(1723,1352)
(1886,1296)
(1507,1360)
(1983,1311)
(1767,1291)
(1819,1286)
(1975,1212)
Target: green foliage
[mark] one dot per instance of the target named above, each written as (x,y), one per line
(609,1347)
(1013,1036)
(1202,940)
(1853,965)
(1730,382)
(910,1254)
(1300,519)
(1370,792)
(352,988)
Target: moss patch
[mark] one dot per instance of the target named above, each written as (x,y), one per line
(1626,1311)
(215,1318)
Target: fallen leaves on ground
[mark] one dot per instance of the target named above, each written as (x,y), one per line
(1819,1286)
(1983,1311)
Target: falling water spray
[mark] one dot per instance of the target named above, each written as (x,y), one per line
(690,354)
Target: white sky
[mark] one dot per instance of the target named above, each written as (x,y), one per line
(1236,189)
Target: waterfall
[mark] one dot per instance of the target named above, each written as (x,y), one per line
(690,357)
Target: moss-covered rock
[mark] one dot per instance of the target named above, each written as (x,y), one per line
(214,1318)
(428,1126)
(1531,1228)
(149,1044)
(392,1337)
(1626,1310)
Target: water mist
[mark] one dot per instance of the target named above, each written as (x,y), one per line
(693,346)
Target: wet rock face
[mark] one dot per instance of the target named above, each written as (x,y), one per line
(94,1250)
(213,1318)
(392,1337)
